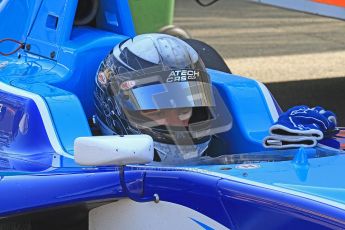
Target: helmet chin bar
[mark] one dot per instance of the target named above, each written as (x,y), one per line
(180,154)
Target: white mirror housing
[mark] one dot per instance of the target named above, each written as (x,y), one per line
(113,150)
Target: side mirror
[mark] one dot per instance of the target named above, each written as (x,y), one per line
(113,150)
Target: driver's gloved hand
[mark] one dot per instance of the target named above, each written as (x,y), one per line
(301,126)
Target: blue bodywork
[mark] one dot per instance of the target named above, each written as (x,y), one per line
(46,92)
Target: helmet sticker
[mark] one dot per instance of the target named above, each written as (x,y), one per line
(127,85)
(102,79)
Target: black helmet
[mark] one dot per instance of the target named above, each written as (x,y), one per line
(157,84)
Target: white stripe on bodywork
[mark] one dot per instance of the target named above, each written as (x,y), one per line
(45,115)
(269,100)
(128,214)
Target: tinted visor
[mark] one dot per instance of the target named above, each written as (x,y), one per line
(164,90)
(171,95)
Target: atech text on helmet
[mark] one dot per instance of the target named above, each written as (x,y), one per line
(182,75)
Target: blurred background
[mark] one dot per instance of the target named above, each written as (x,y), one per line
(300,57)
(266,43)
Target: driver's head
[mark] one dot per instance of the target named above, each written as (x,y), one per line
(157,84)
(169,117)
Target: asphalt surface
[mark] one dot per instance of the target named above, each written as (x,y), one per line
(267,43)
(300,57)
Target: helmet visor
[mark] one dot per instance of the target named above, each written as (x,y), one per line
(171,95)
(174,106)
(164,90)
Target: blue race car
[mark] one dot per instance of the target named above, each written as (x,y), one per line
(47,70)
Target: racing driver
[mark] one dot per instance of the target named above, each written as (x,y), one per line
(157,84)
